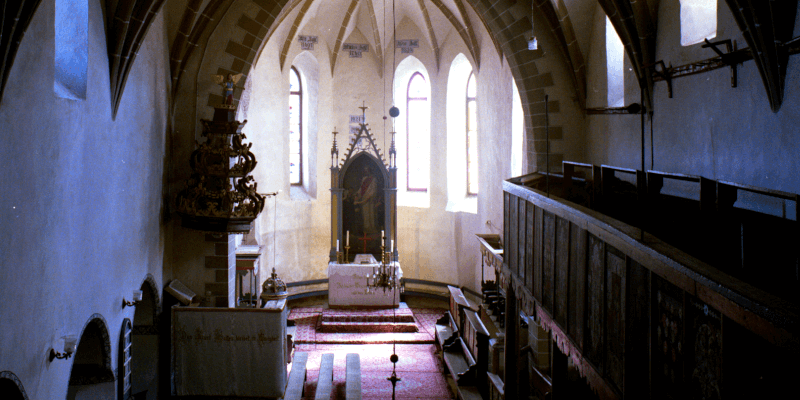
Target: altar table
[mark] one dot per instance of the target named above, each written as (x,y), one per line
(347,286)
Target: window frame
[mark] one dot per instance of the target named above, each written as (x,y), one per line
(474,101)
(409,99)
(299,94)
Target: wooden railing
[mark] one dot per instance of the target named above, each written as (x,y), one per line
(637,315)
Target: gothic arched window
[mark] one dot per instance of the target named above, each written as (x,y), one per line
(698,21)
(417,134)
(295,128)
(472,137)
(615,66)
(71,49)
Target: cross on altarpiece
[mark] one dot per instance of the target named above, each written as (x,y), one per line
(365,240)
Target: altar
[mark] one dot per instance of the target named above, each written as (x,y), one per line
(347,286)
(364,268)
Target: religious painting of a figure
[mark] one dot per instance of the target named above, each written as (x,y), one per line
(363,214)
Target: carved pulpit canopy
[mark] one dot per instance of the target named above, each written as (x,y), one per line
(363,207)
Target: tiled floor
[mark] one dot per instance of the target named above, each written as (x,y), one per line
(419,367)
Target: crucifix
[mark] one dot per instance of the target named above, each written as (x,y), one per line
(365,240)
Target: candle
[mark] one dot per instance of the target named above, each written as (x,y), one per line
(391,249)
(382,235)
(347,243)
(337,244)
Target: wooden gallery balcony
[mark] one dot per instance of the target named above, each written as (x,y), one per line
(700,303)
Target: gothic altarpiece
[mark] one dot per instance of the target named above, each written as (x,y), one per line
(363,222)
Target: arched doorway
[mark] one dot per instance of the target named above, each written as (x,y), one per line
(144,343)
(92,376)
(11,387)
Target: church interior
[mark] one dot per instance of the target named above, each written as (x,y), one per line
(556,198)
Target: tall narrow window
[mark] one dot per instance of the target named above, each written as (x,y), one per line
(698,21)
(615,58)
(295,128)
(517,131)
(417,133)
(71,49)
(472,137)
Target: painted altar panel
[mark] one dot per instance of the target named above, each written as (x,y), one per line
(363,206)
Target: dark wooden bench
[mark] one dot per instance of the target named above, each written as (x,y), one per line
(325,380)
(465,347)
(297,378)
(446,330)
(460,363)
(353,377)
(458,303)
(496,387)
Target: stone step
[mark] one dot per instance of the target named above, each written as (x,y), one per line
(368,318)
(366,327)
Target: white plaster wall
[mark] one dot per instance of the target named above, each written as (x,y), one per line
(434,244)
(707,128)
(610,139)
(80,213)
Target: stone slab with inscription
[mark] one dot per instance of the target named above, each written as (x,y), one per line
(223,352)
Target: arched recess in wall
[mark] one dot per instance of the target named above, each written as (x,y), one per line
(144,351)
(92,376)
(124,361)
(420,159)
(457,198)
(308,67)
(11,387)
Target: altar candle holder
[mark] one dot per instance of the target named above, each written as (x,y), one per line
(347,253)
(339,257)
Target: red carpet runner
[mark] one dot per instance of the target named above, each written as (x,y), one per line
(310,327)
(419,368)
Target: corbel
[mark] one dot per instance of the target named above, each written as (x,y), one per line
(727,58)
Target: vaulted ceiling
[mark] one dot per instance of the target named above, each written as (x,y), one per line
(767,27)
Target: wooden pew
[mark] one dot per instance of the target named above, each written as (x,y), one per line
(496,387)
(458,303)
(446,330)
(460,363)
(465,347)
(297,378)
(325,380)
(353,377)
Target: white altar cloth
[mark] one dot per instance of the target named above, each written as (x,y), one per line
(347,286)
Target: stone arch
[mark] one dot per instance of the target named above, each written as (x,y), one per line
(148,310)
(124,361)
(92,375)
(144,347)
(11,387)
